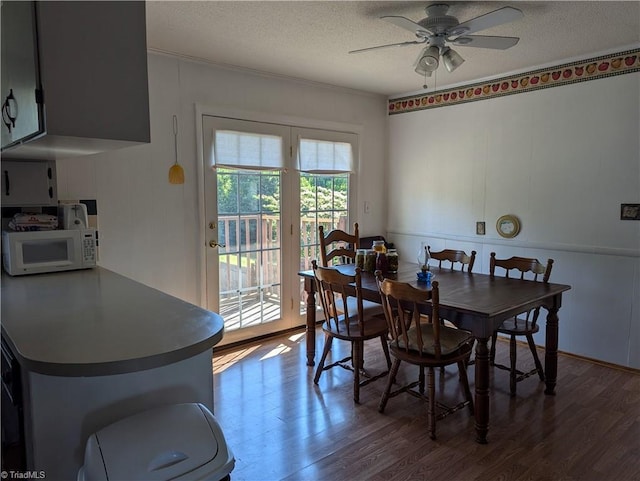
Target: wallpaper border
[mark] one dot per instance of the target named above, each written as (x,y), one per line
(609,65)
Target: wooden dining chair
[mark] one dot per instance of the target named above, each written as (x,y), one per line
(454,257)
(347,324)
(524,324)
(338,246)
(418,341)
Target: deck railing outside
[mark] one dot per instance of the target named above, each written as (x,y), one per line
(246,305)
(270,254)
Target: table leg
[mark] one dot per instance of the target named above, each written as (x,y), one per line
(482,399)
(310,289)
(551,348)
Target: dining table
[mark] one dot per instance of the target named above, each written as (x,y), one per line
(475,302)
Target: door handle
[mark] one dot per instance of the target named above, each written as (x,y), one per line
(9,107)
(215,244)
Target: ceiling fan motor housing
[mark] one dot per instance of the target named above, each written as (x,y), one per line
(437,21)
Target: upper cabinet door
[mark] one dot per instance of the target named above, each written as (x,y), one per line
(91,74)
(20,82)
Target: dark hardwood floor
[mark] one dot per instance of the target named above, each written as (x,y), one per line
(281,426)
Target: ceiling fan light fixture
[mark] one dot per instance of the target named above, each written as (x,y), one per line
(428,60)
(423,72)
(451,59)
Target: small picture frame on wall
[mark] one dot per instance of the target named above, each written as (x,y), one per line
(480,228)
(629,211)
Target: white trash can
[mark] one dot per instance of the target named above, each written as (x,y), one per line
(181,442)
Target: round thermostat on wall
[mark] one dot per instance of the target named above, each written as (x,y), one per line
(508,226)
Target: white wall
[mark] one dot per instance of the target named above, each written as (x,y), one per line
(149,229)
(562,160)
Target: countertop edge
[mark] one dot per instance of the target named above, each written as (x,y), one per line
(123,301)
(115,367)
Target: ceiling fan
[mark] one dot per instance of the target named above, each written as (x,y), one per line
(438,29)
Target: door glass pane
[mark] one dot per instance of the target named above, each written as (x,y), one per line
(249,228)
(324,200)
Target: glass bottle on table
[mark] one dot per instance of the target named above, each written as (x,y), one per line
(392,261)
(378,246)
(423,258)
(382,263)
(370,261)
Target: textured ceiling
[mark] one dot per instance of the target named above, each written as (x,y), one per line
(311,40)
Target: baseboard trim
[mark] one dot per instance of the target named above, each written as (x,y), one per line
(579,357)
(257,340)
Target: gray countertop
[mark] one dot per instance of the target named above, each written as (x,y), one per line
(95,322)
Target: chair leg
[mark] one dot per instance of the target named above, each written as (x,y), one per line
(492,353)
(358,362)
(513,372)
(431,414)
(534,351)
(325,351)
(421,380)
(390,380)
(464,379)
(385,348)
(467,361)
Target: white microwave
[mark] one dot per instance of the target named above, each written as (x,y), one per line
(48,251)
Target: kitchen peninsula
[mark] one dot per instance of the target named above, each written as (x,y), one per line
(92,347)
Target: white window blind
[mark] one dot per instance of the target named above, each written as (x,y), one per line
(245,150)
(333,153)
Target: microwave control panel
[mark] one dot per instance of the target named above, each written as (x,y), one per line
(89,249)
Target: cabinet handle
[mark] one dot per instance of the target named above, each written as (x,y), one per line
(6,183)
(10,105)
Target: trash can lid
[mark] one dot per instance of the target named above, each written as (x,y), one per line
(157,444)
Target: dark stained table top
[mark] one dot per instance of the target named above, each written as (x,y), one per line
(465,298)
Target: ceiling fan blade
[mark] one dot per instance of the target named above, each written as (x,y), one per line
(484,41)
(401,44)
(488,20)
(407,24)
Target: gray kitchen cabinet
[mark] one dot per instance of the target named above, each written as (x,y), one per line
(92,61)
(21,115)
(28,183)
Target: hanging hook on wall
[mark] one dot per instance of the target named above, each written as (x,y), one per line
(176,172)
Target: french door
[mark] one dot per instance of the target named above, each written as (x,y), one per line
(262,216)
